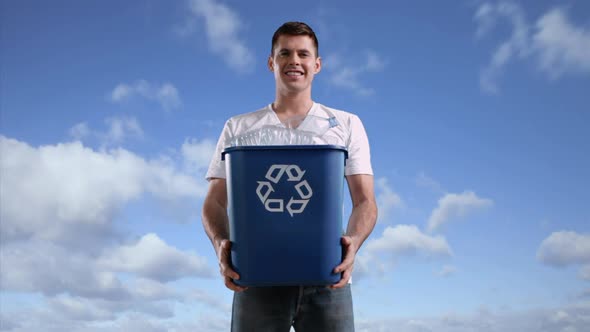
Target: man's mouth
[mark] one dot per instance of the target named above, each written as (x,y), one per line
(294,73)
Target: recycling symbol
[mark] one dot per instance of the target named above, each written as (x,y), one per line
(274,175)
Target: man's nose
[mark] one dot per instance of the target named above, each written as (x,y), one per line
(294,59)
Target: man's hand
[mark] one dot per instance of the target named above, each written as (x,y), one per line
(349,249)
(224,254)
(360,225)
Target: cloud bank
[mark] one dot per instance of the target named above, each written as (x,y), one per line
(60,238)
(166,94)
(565,248)
(554,42)
(223,26)
(454,206)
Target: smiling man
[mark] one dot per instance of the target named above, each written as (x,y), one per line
(294,61)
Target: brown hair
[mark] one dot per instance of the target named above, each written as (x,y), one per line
(294,29)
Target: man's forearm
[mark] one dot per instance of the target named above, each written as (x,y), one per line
(362,221)
(214,212)
(215,222)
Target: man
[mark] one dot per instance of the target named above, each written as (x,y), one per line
(294,60)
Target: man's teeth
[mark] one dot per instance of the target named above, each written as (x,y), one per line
(294,73)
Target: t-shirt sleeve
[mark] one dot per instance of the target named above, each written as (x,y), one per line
(217,166)
(359,152)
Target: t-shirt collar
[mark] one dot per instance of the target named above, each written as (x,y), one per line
(277,121)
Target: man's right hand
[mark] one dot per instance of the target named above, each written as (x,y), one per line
(229,275)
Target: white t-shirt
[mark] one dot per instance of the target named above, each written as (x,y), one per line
(347,131)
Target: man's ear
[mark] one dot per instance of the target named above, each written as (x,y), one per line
(318,65)
(270,63)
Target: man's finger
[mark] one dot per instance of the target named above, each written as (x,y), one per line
(231,285)
(228,272)
(342,282)
(346,240)
(347,261)
(224,261)
(346,275)
(343,266)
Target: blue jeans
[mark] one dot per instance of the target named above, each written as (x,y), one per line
(306,308)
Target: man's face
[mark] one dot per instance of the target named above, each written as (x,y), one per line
(294,63)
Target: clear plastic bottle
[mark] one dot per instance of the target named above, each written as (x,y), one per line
(297,130)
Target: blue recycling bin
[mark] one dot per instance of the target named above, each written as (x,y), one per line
(285,213)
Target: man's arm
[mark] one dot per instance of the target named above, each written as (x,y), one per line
(216,224)
(360,225)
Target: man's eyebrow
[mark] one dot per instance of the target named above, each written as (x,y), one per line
(299,50)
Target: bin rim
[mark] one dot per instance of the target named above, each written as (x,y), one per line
(285,147)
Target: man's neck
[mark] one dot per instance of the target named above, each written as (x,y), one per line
(289,106)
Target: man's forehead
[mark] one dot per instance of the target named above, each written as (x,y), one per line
(289,41)
(299,43)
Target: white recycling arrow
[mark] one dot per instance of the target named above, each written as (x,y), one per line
(261,185)
(274,175)
(278,208)
(298,171)
(277,176)
(292,201)
(307,188)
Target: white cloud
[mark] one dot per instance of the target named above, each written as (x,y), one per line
(485,17)
(80,131)
(573,317)
(79,309)
(166,94)
(122,127)
(408,240)
(9,322)
(387,199)
(79,315)
(139,323)
(213,301)
(381,254)
(122,92)
(423,180)
(197,154)
(559,316)
(347,76)
(119,129)
(565,248)
(517,44)
(73,192)
(222,25)
(205,322)
(85,277)
(455,206)
(562,46)
(152,258)
(63,243)
(585,272)
(151,290)
(446,271)
(558,45)
(64,270)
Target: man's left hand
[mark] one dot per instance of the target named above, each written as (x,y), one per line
(349,249)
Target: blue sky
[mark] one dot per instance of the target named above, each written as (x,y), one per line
(477,114)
